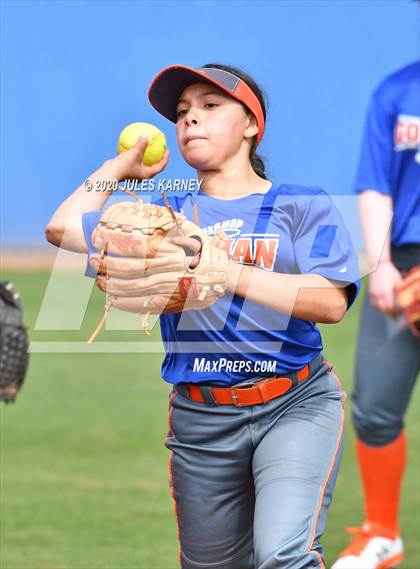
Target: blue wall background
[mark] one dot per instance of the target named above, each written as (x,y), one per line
(75,73)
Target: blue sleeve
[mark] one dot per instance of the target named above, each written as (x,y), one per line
(322,243)
(377,144)
(161,202)
(89,222)
(175,201)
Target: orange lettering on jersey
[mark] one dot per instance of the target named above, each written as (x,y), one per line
(399,132)
(407,132)
(265,252)
(242,250)
(413,132)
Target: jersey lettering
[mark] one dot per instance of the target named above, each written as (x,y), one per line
(260,251)
(407,132)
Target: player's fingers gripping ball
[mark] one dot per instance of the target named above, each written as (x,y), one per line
(157,142)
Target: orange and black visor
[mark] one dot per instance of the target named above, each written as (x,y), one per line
(167,86)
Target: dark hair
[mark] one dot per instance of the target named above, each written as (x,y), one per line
(257,162)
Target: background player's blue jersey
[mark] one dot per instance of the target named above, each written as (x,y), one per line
(390,154)
(290,229)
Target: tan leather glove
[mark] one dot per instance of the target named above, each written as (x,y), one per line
(408,298)
(142,271)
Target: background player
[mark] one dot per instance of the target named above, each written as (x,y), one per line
(252,467)
(388,355)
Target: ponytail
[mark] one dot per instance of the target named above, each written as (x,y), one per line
(256,161)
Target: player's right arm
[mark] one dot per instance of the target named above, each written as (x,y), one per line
(375,199)
(376,212)
(65,226)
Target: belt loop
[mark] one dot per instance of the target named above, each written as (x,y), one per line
(327,363)
(295,376)
(182,389)
(315,363)
(207,394)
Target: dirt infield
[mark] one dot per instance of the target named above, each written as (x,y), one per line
(40,258)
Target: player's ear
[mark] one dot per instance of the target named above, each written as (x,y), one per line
(251,129)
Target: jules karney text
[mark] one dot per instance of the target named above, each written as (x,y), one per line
(162,185)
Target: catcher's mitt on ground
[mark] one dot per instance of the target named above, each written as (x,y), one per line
(408,297)
(14,357)
(144,272)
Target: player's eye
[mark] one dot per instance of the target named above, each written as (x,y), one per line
(181,112)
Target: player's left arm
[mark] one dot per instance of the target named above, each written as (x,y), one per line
(308,296)
(326,279)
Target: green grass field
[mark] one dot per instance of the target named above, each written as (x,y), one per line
(84,479)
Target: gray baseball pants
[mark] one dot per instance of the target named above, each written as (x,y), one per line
(252,485)
(387,364)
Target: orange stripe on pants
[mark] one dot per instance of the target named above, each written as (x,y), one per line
(330,469)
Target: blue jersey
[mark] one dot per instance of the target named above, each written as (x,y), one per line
(390,154)
(290,229)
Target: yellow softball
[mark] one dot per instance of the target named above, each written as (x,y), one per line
(157,142)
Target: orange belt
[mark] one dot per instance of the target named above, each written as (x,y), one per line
(250,394)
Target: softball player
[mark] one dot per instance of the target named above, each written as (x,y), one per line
(388,355)
(255,412)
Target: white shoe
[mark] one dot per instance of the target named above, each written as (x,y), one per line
(371,548)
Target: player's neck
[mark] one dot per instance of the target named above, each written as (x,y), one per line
(232,182)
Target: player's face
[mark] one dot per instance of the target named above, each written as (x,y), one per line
(211,126)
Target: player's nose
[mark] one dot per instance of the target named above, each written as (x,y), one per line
(191,117)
